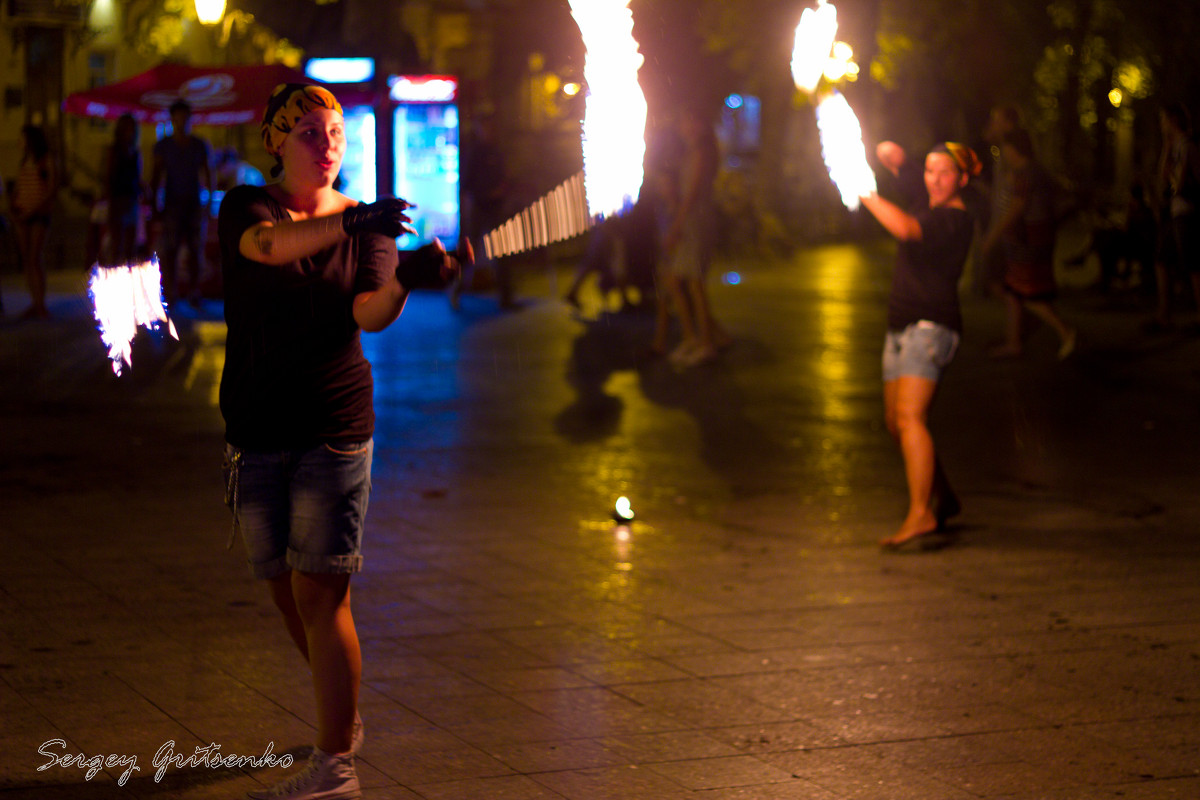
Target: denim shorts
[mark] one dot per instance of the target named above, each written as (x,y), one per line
(923,349)
(300,510)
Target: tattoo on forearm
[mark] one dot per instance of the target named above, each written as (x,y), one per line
(265,240)
(288,240)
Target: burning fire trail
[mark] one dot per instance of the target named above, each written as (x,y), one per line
(841,135)
(814,41)
(843,150)
(614,138)
(614,126)
(122,299)
(559,215)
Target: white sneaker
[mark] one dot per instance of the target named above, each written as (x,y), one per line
(324,777)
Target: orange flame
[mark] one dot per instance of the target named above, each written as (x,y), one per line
(843,150)
(841,134)
(614,127)
(814,43)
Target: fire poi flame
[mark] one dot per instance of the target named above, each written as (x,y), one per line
(841,134)
(559,215)
(614,138)
(614,125)
(123,298)
(814,41)
(843,150)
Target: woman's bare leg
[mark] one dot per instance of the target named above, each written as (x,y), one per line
(281,592)
(31,238)
(907,401)
(334,655)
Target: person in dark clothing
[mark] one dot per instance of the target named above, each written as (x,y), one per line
(305,270)
(1178,256)
(1026,234)
(924,323)
(183,170)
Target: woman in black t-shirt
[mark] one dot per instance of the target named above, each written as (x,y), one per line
(305,269)
(924,326)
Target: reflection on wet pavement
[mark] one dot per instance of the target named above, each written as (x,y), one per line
(742,637)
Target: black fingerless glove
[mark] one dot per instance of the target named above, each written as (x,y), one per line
(385,217)
(422,268)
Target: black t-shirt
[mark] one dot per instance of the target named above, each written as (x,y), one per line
(925,283)
(295,374)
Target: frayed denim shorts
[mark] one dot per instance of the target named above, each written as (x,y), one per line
(300,510)
(923,349)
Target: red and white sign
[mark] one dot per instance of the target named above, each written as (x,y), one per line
(219,95)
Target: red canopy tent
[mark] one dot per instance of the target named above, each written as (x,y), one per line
(218,95)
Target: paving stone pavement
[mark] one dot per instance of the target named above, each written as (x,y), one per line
(745,638)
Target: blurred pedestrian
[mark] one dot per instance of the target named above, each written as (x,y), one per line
(1178,216)
(183,172)
(605,255)
(123,192)
(640,253)
(924,326)
(623,249)
(1124,241)
(33,199)
(1139,233)
(688,243)
(306,269)
(988,278)
(1025,235)
(662,179)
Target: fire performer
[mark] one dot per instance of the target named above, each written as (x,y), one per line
(305,270)
(924,326)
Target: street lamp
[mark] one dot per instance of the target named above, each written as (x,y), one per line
(209,12)
(213,12)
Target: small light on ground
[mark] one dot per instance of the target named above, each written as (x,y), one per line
(623,511)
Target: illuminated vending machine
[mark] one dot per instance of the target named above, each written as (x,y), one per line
(425,155)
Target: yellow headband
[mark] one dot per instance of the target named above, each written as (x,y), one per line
(963,156)
(289,103)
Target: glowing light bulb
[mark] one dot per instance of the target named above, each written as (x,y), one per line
(624,510)
(210,12)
